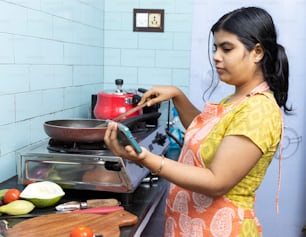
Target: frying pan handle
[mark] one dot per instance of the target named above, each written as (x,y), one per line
(140,118)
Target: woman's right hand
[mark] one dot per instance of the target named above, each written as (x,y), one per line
(186,110)
(158,94)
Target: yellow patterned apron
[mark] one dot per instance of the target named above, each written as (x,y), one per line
(191,214)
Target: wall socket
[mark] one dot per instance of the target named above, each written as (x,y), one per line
(154,20)
(148,20)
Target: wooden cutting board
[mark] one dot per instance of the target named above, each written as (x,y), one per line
(60,225)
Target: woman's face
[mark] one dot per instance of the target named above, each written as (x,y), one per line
(234,63)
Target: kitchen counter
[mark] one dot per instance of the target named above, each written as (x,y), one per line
(147,202)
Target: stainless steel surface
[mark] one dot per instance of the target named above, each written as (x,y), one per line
(100,170)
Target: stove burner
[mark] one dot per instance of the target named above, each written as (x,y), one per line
(95,148)
(76,147)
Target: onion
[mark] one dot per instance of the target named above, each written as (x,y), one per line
(40,172)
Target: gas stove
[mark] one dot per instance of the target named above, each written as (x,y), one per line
(88,166)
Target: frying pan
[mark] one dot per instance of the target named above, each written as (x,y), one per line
(86,130)
(75,130)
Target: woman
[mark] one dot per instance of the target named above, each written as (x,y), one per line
(229,146)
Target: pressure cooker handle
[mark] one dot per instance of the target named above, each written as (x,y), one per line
(142,90)
(136,99)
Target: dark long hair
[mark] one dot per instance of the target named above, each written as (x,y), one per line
(253,25)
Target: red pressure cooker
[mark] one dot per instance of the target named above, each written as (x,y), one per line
(112,104)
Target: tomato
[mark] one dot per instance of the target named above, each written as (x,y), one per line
(81,231)
(11,195)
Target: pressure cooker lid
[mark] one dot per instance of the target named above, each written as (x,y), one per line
(118,89)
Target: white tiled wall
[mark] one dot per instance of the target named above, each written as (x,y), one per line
(51,61)
(144,59)
(55,53)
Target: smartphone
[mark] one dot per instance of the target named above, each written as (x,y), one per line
(125,137)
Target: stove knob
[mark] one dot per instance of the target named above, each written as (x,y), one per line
(151,147)
(113,166)
(160,139)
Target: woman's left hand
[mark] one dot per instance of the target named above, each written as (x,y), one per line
(126,152)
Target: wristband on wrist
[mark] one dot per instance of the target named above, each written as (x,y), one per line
(162,162)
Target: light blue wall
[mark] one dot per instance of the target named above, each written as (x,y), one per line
(55,53)
(51,60)
(144,59)
(290,23)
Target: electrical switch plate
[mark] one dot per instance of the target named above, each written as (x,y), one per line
(148,20)
(142,20)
